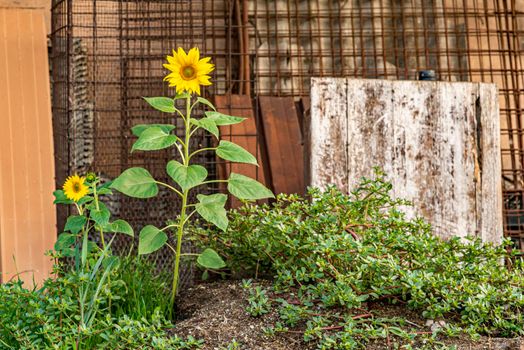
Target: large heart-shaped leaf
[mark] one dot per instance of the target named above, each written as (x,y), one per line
(75,223)
(207,124)
(233,152)
(151,239)
(244,187)
(101,215)
(137,130)
(210,259)
(223,119)
(121,226)
(211,208)
(186,176)
(164,104)
(154,138)
(136,182)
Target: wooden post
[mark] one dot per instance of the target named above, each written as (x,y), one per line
(438,142)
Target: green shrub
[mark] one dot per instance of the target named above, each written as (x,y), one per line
(129,314)
(334,252)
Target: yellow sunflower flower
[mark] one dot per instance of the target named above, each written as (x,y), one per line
(74,188)
(188,71)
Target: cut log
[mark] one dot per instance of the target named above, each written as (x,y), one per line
(438,143)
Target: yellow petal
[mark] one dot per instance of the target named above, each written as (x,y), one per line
(182,57)
(193,55)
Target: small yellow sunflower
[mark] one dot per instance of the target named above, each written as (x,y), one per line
(188,71)
(74,188)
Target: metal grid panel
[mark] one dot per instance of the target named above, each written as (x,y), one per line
(267,47)
(107,55)
(469,40)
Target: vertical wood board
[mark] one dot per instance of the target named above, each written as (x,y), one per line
(284,143)
(27,213)
(437,142)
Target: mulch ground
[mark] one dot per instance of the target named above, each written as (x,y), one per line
(216,313)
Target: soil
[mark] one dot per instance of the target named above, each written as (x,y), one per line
(215,312)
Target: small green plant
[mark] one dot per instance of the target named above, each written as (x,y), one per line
(334,254)
(48,318)
(188,73)
(98,301)
(233,345)
(258,302)
(93,263)
(141,290)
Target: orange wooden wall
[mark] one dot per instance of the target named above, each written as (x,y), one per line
(27,214)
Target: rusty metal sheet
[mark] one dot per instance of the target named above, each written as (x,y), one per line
(284,143)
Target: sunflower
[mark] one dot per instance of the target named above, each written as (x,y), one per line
(74,188)
(188,71)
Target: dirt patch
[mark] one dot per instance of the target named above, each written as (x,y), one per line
(216,313)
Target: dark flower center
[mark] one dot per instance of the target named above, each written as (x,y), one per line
(76,187)
(188,72)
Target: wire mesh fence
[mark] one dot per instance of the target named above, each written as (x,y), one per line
(107,54)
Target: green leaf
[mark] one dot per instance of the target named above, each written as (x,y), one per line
(151,239)
(186,176)
(207,124)
(101,215)
(206,102)
(182,95)
(137,130)
(122,226)
(75,223)
(153,139)
(85,199)
(233,152)
(103,191)
(164,104)
(64,241)
(211,208)
(209,259)
(223,119)
(246,188)
(136,182)
(60,198)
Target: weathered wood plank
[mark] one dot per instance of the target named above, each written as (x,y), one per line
(284,143)
(367,140)
(437,142)
(328,133)
(491,188)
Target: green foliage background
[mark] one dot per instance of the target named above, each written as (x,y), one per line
(333,253)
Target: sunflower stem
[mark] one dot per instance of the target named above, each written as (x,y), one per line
(95,195)
(180,231)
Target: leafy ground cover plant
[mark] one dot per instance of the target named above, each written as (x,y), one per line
(49,318)
(333,255)
(100,301)
(188,72)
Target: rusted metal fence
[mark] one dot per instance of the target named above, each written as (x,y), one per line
(109,53)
